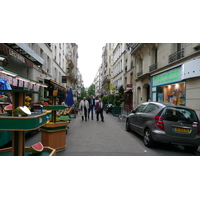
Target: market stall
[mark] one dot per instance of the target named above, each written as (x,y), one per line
(19,124)
(54,131)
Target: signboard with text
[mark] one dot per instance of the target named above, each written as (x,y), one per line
(173,75)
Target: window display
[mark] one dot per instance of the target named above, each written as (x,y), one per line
(172,93)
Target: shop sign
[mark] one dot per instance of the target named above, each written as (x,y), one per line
(129,85)
(111,87)
(16,55)
(167,77)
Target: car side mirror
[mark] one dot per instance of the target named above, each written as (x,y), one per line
(133,111)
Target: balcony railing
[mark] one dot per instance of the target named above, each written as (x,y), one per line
(106,79)
(71,74)
(140,73)
(153,67)
(132,46)
(176,56)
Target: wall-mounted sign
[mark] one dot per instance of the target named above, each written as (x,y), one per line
(111,87)
(129,85)
(16,55)
(64,79)
(171,76)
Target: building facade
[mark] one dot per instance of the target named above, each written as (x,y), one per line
(118,65)
(107,69)
(163,72)
(53,65)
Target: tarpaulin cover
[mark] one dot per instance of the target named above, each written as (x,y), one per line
(4,85)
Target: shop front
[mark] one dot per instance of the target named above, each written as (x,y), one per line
(169,86)
(128,100)
(53,85)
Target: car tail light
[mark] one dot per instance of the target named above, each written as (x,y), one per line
(198,132)
(159,122)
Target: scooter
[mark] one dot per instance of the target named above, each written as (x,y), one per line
(109,108)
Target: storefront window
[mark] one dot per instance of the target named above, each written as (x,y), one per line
(172,93)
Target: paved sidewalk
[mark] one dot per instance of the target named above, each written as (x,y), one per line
(96,138)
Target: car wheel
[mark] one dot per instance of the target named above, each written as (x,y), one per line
(128,129)
(147,139)
(191,149)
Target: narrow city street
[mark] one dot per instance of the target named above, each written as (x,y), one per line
(109,138)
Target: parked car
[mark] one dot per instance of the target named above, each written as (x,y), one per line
(167,123)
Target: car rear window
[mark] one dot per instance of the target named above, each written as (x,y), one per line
(176,114)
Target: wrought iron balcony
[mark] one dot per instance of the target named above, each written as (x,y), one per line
(153,67)
(176,56)
(106,79)
(70,60)
(132,46)
(140,73)
(70,74)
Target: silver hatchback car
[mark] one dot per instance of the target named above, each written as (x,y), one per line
(165,123)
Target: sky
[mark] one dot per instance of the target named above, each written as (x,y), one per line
(89,60)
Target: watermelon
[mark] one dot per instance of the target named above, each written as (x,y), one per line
(22,111)
(36,148)
(8,109)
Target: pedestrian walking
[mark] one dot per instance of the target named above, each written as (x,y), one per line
(99,110)
(83,107)
(91,102)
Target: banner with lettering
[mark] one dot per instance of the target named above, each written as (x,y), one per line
(170,76)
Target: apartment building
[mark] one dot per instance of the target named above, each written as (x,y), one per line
(98,82)
(168,72)
(118,65)
(53,65)
(163,72)
(107,68)
(129,80)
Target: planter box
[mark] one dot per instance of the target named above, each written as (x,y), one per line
(54,135)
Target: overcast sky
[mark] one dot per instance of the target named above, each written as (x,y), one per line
(89,60)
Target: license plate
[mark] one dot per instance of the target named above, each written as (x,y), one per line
(182,130)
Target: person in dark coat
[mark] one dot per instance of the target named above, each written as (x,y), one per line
(99,110)
(91,102)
